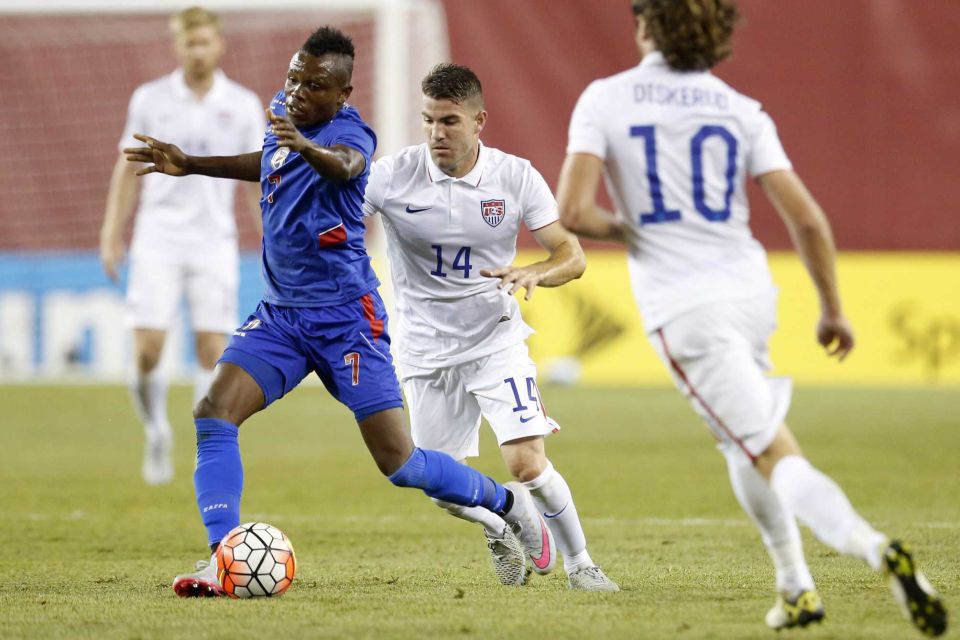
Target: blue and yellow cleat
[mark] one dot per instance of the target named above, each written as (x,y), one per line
(919,600)
(797,612)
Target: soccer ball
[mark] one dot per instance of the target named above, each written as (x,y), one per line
(255,560)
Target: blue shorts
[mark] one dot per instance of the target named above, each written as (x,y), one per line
(346,345)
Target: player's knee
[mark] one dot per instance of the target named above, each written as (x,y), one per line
(147,360)
(217,407)
(526,467)
(527,472)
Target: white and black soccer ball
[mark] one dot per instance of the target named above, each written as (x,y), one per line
(255,560)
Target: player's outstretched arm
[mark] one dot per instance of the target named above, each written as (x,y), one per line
(813,239)
(166,158)
(577,199)
(338,163)
(566,263)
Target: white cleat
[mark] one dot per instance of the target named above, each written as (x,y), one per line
(507,556)
(203,583)
(157,462)
(591,579)
(531,529)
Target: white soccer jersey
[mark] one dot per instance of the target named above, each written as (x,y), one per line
(441,232)
(677,149)
(228,120)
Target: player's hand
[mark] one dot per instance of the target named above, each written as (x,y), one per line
(111,255)
(514,279)
(162,157)
(835,335)
(287,133)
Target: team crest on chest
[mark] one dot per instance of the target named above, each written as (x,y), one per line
(278,157)
(493,211)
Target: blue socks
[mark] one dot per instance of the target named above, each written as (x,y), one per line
(218,480)
(443,478)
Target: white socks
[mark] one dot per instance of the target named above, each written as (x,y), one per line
(150,400)
(201,383)
(778,527)
(821,505)
(552,497)
(493,523)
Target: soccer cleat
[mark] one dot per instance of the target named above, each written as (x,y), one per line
(531,529)
(157,463)
(918,599)
(796,612)
(591,579)
(507,556)
(203,583)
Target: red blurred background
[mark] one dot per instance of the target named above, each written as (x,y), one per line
(866,94)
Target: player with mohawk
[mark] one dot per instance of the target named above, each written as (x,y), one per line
(321,312)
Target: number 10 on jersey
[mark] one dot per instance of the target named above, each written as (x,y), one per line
(661,213)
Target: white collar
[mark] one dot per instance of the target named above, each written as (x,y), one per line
(653,59)
(472,178)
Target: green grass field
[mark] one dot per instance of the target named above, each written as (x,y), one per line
(91,551)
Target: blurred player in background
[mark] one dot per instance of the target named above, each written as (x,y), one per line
(452,209)
(677,144)
(185,235)
(321,312)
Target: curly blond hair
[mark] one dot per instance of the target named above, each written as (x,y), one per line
(692,35)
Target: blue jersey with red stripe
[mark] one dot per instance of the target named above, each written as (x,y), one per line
(313,247)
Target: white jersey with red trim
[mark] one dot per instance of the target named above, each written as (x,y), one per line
(441,231)
(677,148)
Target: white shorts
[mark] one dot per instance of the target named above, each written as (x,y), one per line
(208,278)
(446,404)
(718,357)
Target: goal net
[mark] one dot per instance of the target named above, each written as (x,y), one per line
(69,69)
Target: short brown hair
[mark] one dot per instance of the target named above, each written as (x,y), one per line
(452,82)
(692,35)
(191,18)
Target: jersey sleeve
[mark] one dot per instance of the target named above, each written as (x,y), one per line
(766,151)
(357,137)
(136,120)
(539,207)
(377,186)
(586,129)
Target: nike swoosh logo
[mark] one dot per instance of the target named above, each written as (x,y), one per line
(554,515)
(525,419)
(544,560)
(416,209)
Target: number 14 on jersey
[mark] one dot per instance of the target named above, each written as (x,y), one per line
(461,261)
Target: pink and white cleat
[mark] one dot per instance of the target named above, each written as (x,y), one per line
(531,529)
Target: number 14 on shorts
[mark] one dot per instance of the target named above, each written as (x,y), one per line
(533,393)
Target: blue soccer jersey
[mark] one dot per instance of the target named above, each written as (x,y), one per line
(313,247)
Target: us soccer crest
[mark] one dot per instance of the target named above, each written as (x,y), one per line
(493,211)
(279,156)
